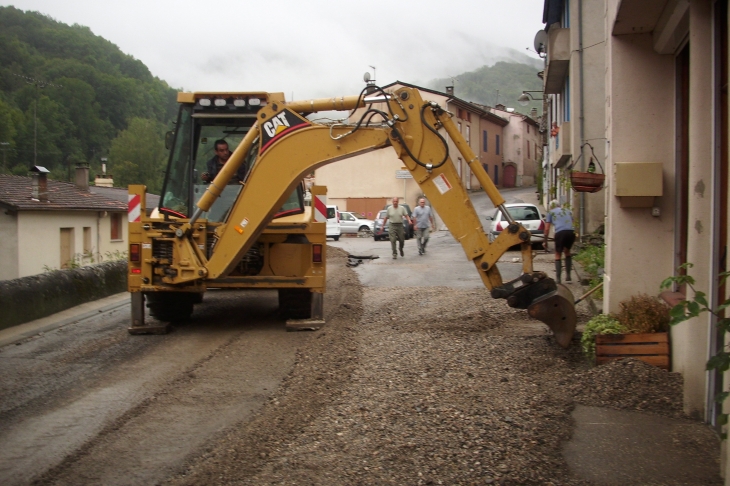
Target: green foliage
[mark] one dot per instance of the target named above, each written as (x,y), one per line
(644,314)
(89,91)
(592,259)
(600,324)
(501,83)
(138,155)
(693,307)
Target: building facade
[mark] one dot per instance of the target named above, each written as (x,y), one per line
(658,71)
(521,147)
(575,93)
(47,225)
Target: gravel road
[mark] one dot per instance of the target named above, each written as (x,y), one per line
(429,385)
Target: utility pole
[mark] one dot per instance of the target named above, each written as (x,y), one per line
(4,146)
(38,84)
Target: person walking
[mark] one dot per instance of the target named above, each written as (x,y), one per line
(424,222)
(562,219)
(395,214)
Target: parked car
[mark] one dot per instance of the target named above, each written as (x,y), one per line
(528,215)
(352,223)
(379,223)
(333,223)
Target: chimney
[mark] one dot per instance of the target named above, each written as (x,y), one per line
(450,90)
(533,113)
(500,106)
(82,176)
(39,186)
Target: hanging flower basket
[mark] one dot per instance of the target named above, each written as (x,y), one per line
(587,181)
(590,181)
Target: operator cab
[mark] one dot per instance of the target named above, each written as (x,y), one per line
(203,119)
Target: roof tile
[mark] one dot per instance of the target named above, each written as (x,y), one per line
(16,191)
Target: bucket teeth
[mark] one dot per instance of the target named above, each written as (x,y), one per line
(557,310)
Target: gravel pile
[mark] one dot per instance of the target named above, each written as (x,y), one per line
(428,386)
(630,384)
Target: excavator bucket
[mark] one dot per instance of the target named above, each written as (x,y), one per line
(557,310)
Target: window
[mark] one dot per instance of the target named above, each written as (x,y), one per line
(116,224)
(87,240)
(496,172)
(459,127)
(468,134)
(528,128)
(496,148)
(485,139)
(528,150)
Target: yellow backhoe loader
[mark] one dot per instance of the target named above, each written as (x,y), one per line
(257,233)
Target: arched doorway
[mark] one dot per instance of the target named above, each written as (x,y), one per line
(510,176)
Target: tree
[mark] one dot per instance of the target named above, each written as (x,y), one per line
(138,155)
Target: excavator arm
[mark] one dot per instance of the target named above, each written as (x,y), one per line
(290,146)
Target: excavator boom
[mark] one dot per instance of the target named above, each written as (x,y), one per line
(289,146)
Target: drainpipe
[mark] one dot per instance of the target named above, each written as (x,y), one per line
(582,121)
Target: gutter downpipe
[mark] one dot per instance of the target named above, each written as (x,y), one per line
(582,121)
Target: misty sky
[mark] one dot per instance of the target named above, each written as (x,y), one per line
(308,49)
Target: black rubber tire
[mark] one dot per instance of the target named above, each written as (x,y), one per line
(295,303)
(336,238)
(170,306)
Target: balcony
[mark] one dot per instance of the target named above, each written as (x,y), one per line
(562,151)
(558,60)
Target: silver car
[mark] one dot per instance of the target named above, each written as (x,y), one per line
(528,215)
(351,223)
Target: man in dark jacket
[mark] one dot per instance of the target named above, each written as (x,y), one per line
(215,164)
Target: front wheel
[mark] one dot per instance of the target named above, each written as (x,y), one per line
(336,238)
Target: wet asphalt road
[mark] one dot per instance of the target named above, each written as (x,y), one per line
(444,262)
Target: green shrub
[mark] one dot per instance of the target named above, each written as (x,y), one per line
(592,260)
(600,324)
(644,314)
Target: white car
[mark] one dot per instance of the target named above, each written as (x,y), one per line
(351,223)
(333,223)
(528,215)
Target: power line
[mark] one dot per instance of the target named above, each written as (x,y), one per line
(38,84)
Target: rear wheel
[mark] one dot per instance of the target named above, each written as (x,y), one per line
(295,303)
(171,306)
(336,238)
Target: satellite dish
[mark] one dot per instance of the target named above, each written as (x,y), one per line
(541,39)
(366,77)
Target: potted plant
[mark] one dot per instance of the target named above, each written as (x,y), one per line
(639,330)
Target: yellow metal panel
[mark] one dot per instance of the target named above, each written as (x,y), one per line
(185,97)
(637,179)
(289,260)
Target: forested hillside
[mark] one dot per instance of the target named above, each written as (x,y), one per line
(501,83)
(69,96)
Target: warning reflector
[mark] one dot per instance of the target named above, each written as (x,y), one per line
(320,208)
(134,208)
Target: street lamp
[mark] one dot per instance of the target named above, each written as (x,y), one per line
(526,97)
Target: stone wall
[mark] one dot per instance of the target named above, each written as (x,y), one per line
(29,298)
